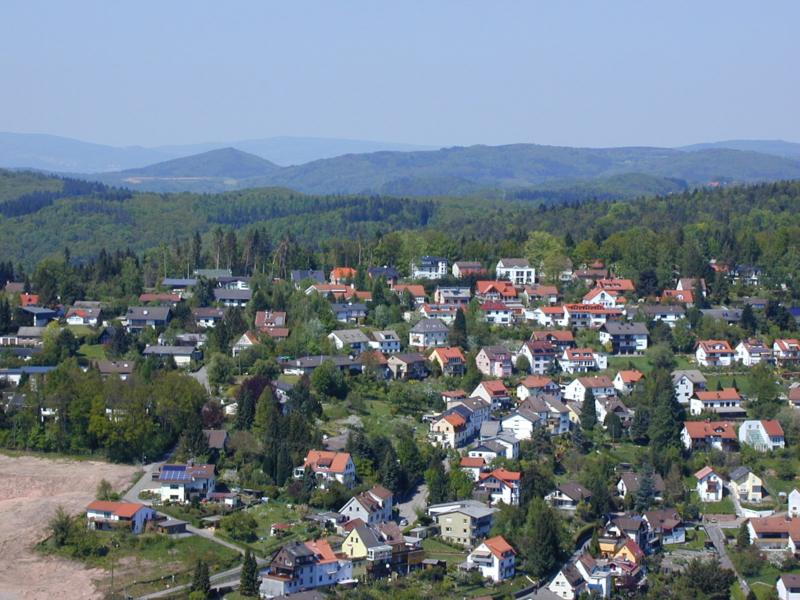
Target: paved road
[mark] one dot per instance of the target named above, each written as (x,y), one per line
(145,483)
(718,538)
(201,376)
(221,579)
(205,533)
(408,509)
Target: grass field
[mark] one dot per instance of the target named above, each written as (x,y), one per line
(93,351)
(440,551)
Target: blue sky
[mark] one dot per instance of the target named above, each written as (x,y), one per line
(429,72)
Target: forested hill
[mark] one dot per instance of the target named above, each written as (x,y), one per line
(526,168)
(746,223)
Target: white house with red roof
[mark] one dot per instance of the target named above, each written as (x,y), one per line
(246,341)
(494,392)
(707,435)
(582,360)
(327,467)
(549,316)
(501,486)
(494,558)
(592,316)
(102,514)
(605,298)
(499,291)
(787,352)
(714,353)
(725,402)
(601,386)
(626,380)
(451,361)
(472,466)
(710,485)
(537,385)
(765,435)
(300,566)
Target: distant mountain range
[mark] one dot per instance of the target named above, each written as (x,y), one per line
(519,168)
(66,155)
(333,166)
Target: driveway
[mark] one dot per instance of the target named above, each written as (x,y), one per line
(145,483)
(201,376)
(419,501)
(718,539)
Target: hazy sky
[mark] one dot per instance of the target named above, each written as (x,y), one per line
(431,72)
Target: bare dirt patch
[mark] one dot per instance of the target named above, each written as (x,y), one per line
(32,488)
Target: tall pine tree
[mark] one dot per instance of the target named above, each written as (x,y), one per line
(248,584)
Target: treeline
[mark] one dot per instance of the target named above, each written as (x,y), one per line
(78,412)
(72,188)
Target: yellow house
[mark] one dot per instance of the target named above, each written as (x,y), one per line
(364,543)
(608,546)
(747,486)
(630,552)
(574,409)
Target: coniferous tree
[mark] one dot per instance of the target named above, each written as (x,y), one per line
(541,541)
(645,495)
(458,332)
(614,425)
(248,583)
(588,412)
(200,580)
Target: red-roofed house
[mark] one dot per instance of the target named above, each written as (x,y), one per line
(472,466)
(328,466)
(619,285)
(495,290)
(494,558)
(626,380)
(709,485)
(549,316)
(725,402)
(582,360)
(342,274)
(601,387)
(560,338)
(493,391)
(26,299)
(705,435)
(450,360)
(714,353)
(603,297)
(764,435)
(787,352)
(101,514)
(501,486)
(450,431)
(537,385)
(775,533)
(685,297)
(416,291)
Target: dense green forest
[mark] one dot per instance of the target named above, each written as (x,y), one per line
(273,230)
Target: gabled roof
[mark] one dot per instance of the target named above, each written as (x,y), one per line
(446,354)
(509,478)
(705,472)
(631,376)
(727,394)
(469,462)
(692,375)
(536,381)
(574,491)
(510,263)
(772,427)
(124,510)
(700,430)
(495,387)
(633,481)
(324,460)
(740,474)
(599,381)
(430,326)
(559,335)
(498,546)
(715,346)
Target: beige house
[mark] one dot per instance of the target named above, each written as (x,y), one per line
(462,522)
(747,486)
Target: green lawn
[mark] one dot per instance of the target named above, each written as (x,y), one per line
(93,351)
(149,562)
(695,540)
(80,330)
(279,512)
(440,551)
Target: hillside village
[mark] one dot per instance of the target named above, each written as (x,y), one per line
(482,425)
